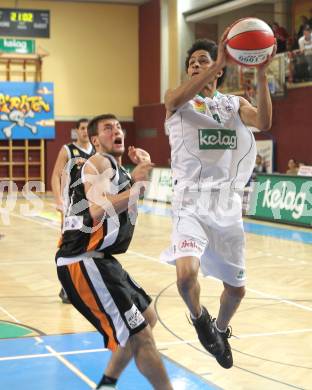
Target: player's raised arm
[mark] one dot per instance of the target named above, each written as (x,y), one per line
(201,70)
(260,117)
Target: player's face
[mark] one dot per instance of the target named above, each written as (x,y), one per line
(200,60)
(111,137)
(82,132)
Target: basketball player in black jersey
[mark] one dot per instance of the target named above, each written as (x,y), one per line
(68,162)
(98,224)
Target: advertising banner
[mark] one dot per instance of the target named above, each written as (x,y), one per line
(160,188)
(26,110)
(18,46)
(280,198)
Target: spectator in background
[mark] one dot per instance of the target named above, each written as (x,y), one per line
(304,22)
(258,168)
(259,165)
(281,36)
(305,47)
(305,42)
(292,167)
(69,161)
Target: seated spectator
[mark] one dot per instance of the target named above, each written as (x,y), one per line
(305,47)
(259,165)
(304,22)
(292,167)
(258,168)
(281,36)
(305,42)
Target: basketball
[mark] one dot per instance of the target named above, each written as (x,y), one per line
(250,41)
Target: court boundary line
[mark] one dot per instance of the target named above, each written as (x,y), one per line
(273,297)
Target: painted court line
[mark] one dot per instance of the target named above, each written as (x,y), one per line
(59,355)
(294,331)
(9,315)
(276,298)
(44,355)
(71,367)
(66,363)
(273,297)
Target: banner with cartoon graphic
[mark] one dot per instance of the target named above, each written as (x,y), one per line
(26,110)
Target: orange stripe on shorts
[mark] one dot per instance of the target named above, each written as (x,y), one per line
(87,296)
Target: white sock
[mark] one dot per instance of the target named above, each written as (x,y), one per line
(195,318)
(219,330)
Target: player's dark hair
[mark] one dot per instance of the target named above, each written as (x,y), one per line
(211,47)
(82,120)
(93,124)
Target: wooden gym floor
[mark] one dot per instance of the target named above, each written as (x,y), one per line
(272,342)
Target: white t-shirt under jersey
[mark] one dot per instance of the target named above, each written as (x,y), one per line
(210,145)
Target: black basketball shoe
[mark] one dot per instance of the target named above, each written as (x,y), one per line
(106,383)
(225,359)
(207,334)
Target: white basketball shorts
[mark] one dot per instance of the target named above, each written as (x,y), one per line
(206,229)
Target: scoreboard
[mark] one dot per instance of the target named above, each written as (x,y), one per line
(24,23)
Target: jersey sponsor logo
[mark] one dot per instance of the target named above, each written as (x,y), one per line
(76,152)
(189,245)
(73,223)
(217,139)
(134,317)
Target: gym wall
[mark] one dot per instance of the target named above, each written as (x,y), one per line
(93,57)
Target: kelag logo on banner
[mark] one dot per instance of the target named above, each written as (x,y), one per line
(26,110)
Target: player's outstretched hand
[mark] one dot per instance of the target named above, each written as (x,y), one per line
(222,56)
(141,171)
(138,155)
(266,64)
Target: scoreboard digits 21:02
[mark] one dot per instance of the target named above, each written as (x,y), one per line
(24,23)
(27,17)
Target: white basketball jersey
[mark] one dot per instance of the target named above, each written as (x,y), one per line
(210,145)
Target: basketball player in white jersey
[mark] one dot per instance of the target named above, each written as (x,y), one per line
(213,153)
(70,159)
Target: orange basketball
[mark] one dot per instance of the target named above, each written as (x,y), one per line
(250,41)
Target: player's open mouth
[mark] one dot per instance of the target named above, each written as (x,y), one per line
(118,141)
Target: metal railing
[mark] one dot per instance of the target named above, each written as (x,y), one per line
(286,70)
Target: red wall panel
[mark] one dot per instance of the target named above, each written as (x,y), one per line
(150,119)
(62,136)
(292,127)
(149,52)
